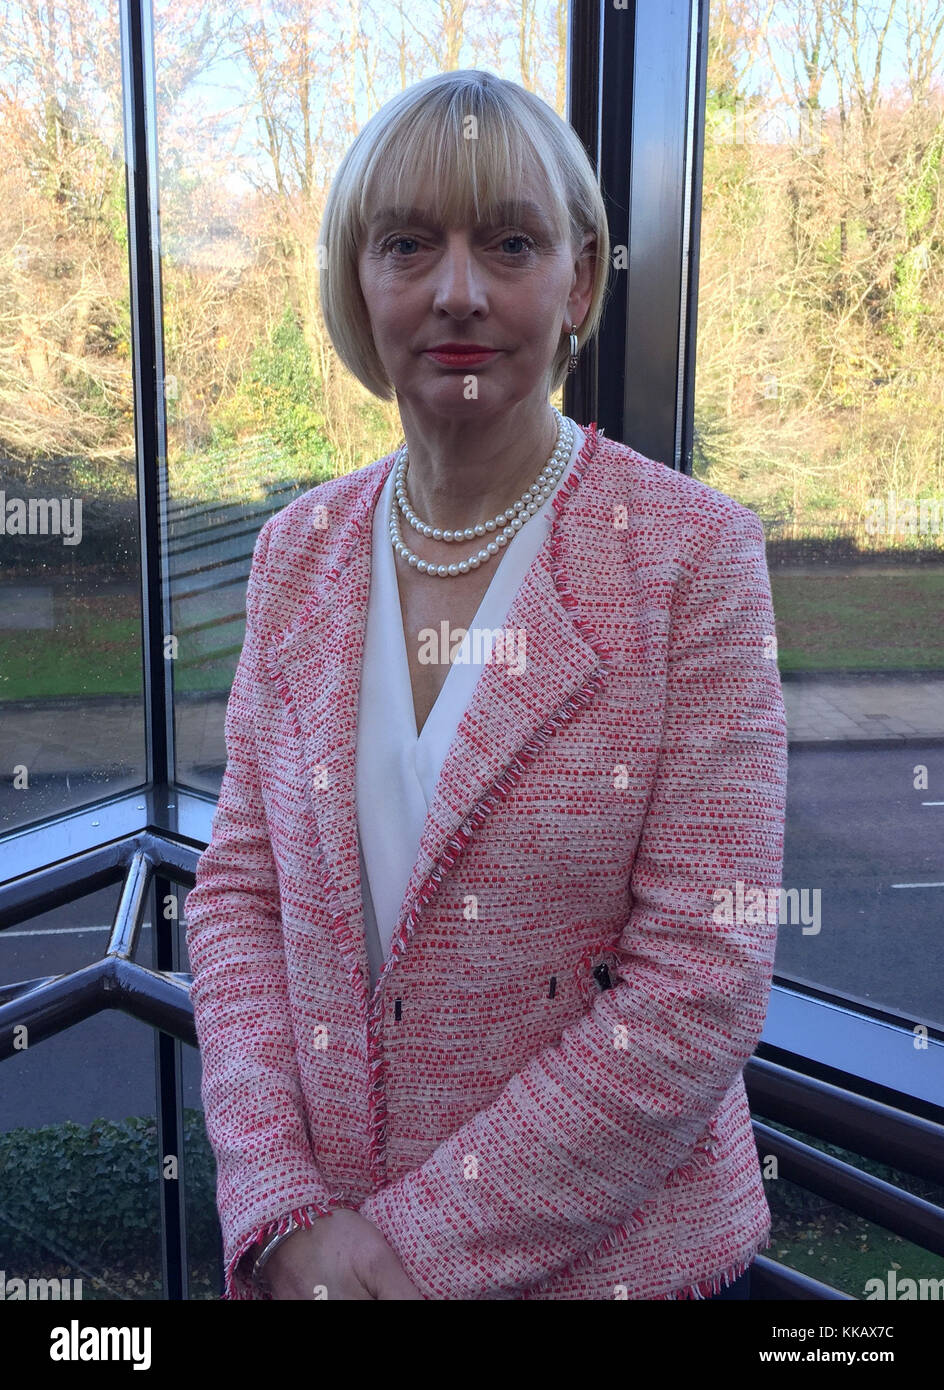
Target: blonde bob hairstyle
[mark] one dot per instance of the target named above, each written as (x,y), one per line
(423,139)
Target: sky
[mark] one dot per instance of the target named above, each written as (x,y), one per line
(227,87)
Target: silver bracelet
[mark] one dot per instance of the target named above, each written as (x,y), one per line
(271,1244)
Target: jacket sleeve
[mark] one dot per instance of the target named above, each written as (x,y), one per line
(251,1088)
(593,1126)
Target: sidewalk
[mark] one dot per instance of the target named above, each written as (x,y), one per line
(63,737)
(864,711)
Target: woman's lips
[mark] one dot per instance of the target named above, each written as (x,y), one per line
(473,357)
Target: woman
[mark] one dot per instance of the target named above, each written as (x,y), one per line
(472,1020)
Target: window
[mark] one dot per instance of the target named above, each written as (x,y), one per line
(72,726)
(817,404)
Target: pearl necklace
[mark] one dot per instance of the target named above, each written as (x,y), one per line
(515,516)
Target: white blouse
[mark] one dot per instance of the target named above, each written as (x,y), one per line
(397,770)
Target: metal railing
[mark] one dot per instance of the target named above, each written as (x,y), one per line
(149,864)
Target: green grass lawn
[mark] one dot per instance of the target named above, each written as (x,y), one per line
(845,1250)
(816,1237)
(95,650)
(860,622)
(97,653)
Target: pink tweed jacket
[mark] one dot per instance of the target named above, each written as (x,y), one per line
(543,1097)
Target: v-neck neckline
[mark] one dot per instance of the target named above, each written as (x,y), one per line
(453,675)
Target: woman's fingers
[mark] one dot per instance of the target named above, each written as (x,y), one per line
(378,1266)
(342,1257)
(392,1282)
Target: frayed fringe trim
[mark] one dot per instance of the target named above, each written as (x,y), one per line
(703,1156)
(707,1288)
(362,514)
(615,1238)
(338,919)
(376,1098)
(703,1288)
(238,1284)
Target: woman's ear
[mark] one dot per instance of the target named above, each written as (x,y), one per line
(581,293)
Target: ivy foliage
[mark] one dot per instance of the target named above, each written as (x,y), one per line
(91,1193)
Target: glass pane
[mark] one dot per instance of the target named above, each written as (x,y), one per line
(254,114)
(816,1237)
(204,1247)
(57,942)
(204,1244)
(69,1107)
(71,718)
(79,1162)
(818,403)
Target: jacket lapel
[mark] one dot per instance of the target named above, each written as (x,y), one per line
(316,665)
(508,721)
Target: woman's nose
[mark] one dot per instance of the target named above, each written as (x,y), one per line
(459,282)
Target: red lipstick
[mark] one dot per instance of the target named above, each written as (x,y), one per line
(461,354)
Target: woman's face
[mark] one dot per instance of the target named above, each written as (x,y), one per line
(511,287)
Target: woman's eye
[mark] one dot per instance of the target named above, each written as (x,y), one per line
(527,243)
(398,241)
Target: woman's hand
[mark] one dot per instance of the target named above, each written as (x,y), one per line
(343,1253)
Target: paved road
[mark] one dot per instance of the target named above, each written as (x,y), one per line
(859,830)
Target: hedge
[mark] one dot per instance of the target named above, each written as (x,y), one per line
(90,1193)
